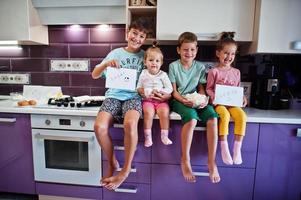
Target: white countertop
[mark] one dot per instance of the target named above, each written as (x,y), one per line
(254,115)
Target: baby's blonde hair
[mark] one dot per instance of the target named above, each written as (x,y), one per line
(153,49)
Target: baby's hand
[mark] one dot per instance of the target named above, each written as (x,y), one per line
(156,93)
(113,63)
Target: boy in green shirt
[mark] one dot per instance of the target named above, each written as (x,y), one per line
(187,76)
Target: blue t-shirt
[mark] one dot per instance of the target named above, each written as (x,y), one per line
(126,60)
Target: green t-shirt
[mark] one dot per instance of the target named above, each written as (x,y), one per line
(187,80)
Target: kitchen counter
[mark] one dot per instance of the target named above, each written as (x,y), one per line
(254,115)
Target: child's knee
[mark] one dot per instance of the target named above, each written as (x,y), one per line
(212,122)
(100,129)
(130,124)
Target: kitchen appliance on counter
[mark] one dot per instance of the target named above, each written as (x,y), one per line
(81,101)
(266,89)
(65,150)
(69,102)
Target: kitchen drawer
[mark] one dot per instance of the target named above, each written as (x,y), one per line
(117,133)
(128,192)
(171,154)
(69,190)
(142,153)
(168,183)
(140,172)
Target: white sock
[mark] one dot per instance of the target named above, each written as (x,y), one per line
(226,156)
(148,141)
(237,153)
(164,137)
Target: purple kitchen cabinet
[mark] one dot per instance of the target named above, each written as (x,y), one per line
(129,192)
(16,164)
(171,154)
(64,190)
(278,171)
(142,154)
(140,172)
(169,184)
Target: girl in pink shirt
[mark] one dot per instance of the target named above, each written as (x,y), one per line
(225,74)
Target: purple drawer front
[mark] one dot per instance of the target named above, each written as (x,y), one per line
(128,192)
(140,172)
(199,153)
(168,183)
(117,132)
(142,153)
(69,190)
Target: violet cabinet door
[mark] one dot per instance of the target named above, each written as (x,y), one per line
(169,184)
(171,154)
(278,173)
(65,190)
(16,164)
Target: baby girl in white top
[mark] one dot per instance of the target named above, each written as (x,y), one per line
(152,85)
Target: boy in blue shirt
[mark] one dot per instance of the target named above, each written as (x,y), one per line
(187,76)
(121,104)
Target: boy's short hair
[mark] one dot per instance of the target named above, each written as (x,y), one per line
(187,37)
(140,24)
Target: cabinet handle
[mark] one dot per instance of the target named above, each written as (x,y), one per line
(8,120)
(126,189)
(201,173)
(200,128)
(298,132)
(118,125)
(207,35)
(296,45)
(119,148)
(133,169)
(56,137)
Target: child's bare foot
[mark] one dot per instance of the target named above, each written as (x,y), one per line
(114,182)
(187,171)
(213,173)
(110,171)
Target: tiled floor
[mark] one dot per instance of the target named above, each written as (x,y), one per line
(12,196)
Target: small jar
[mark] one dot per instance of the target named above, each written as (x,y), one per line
(137,3)
(16,96)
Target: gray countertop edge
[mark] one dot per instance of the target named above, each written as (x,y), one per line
(254,115)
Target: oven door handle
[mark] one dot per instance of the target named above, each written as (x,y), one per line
(65,138)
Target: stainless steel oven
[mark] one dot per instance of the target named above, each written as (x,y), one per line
(65,150)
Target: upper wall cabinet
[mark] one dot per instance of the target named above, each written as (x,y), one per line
(206,18)
(19,21)
(277,27)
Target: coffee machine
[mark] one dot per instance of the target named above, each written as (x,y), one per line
(266,89)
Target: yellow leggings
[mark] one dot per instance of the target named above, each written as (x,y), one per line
(238,115)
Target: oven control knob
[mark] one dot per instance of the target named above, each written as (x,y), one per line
(47,122)
(82,123)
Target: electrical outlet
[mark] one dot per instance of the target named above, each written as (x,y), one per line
(14,78)
(69,65)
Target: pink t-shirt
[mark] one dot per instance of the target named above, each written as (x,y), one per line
(219,76)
